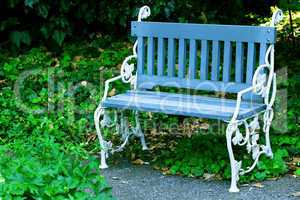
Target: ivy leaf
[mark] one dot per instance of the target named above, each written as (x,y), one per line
(30,3)
(297,172)
(260,175)
(43,10)
(18,37)
(59,37)
(45,32)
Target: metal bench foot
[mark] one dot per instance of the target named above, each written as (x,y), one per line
(123,129)
(103,164)
(103,144)
(139,133)
(235,166)
(250,140)
(268,117)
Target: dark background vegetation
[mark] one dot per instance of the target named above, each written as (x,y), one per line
(33,21)
(76,44)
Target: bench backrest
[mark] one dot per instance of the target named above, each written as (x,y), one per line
(209,57)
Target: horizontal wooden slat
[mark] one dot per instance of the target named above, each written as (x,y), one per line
(148,82)
(180,104)
(204,31)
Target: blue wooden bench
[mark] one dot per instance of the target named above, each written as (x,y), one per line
(218,58)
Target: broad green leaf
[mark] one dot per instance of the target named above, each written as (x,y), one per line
(59,37)
(30,3)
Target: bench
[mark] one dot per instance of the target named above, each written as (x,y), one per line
(227,59)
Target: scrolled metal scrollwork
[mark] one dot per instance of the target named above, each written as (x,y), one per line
(122,126)
(127,69)
(250,140)
(276,17)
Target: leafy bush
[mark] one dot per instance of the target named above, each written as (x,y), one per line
(195,157)
(24,22)
(47,137)
(41,169)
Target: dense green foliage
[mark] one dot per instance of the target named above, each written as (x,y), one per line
(24,22)
(48,150)
(40,169)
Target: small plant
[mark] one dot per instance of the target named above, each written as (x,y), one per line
(42,169)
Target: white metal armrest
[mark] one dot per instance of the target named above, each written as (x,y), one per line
(107,82)
(126,72)
(261,84)
(238,103)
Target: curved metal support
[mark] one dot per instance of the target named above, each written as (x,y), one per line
(263,84)
(235,137)
(103,144)
(123,130)
(126,75)
(138,131)
(276,17)
(235,166)
(126,68)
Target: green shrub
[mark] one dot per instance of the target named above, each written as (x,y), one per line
(24,22)
(50,154)
(41,169)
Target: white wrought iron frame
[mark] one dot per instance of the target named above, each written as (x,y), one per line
(263,84)
(127,76)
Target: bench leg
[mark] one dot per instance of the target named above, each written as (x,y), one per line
(139,131)
(235,165)
(268,117)
(104,151)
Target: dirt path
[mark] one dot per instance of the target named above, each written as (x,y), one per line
(132,182)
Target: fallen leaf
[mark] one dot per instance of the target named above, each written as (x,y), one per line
(124,182)
(296,194)
(272,179)
(208,176)
(84,83)
(112,92)
(55,62)
(156,167)
(293,164)
(77,58)
(258,185)
(204,126)
(138,162)
(245,185)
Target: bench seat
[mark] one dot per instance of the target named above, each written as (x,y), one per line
(181,104)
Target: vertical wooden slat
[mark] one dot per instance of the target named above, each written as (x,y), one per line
(227,61)
(215,61)
(262,53)
(141,54)
(250,62)
(171,57)
(204,60)
(160,57)
(239,62)
(150,56)
(192,59)
(181,58)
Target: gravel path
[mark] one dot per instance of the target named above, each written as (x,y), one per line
(132,182)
